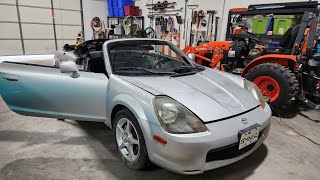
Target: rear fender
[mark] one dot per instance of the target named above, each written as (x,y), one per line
(284,60)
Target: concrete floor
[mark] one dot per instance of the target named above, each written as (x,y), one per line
(40,148)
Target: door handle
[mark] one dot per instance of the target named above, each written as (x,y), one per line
(10,78)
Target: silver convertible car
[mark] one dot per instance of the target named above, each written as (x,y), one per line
(163,109)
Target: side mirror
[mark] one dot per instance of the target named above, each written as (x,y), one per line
(69,67)
(192,56)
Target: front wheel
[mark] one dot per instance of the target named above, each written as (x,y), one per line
(277,82)
(130,141)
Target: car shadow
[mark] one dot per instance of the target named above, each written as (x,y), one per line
(239,170)
(108,165)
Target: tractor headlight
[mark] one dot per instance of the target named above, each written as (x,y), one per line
(255,91)
(175,118)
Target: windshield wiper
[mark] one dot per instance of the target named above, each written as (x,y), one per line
(186,69)
(184,74)
(144,69)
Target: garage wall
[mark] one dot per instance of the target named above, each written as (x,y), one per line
(9,31)
(203,5)
(222,6)
(27,25)
(68,21)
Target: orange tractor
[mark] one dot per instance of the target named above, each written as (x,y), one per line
(284,74)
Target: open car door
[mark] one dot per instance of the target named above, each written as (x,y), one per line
(44,91)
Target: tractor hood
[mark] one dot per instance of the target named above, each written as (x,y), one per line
(210,94)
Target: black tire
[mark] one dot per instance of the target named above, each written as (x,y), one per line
(142,161)
(288,83)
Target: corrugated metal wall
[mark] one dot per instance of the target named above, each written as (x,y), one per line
(27,26)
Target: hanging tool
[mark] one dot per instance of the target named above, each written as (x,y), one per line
(175,34)
(164,30)
(185,19)
(162,8)
(131,26)
(161,14)
(203,23)
(208,27)
(179,21)
(158,24)
(194,17)
(98,28)
(170,40)
(210,24)
(169,24)
(169,29)
(149,30)
(166,11)
(216,28)
(186,30)
(192,7)
(200,16)
(161,4)
(200,36)
(163,37)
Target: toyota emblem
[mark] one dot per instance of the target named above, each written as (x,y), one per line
(244,120)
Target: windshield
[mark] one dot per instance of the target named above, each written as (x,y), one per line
(147,57)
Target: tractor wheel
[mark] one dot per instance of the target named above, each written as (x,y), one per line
(277,82)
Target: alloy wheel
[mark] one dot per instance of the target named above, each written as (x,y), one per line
(127,139)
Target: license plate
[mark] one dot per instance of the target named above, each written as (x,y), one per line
(249,135)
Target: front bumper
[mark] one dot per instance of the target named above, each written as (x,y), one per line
(199,152)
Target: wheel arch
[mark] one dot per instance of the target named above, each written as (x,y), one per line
(122,101)
(284,60)
(126,101)
(114,111)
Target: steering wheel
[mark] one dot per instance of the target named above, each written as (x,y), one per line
(161,62)
(253,37)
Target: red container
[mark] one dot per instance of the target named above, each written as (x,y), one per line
(131,10)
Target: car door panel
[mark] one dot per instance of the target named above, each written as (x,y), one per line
(46,92)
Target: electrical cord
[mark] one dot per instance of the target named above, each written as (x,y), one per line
(291,128)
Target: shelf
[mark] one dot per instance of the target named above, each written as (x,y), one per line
(276,11)
(119,19)
(122,17)
(262,36)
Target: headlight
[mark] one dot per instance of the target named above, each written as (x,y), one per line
(255,91)
(175,118)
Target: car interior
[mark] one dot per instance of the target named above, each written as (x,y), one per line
(91,51)
(143,59)
(142,56)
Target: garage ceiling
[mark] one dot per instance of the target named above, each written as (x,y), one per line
(29,28)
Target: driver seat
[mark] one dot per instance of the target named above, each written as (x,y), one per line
(96,62)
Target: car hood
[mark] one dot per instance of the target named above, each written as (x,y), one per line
(209,94)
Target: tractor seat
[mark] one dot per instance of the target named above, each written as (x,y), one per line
(286,42)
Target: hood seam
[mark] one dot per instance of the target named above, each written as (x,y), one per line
(137,86)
